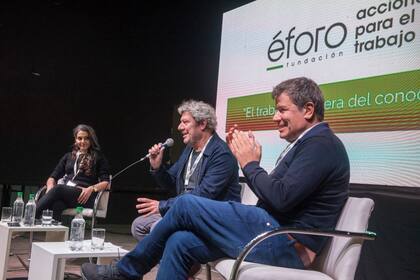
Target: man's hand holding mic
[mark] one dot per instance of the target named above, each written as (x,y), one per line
(156,155)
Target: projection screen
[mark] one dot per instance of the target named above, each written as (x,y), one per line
(365,55)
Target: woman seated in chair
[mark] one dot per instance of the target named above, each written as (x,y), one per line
(79,175)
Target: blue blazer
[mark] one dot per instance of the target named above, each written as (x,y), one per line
(218,178)
(309,187)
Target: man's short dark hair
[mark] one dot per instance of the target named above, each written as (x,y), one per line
(301,91)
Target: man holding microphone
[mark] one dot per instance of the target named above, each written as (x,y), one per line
(206,167)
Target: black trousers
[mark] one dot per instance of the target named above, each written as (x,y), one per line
(59,198)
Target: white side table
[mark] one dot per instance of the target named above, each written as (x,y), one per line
(53,233)
(48,259)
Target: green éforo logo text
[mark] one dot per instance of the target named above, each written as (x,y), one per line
(302,43)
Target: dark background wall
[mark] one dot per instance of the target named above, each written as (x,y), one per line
(395,254)
(120,66)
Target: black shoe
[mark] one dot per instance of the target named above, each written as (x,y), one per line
(90,271)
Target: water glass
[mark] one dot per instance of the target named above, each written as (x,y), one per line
(6,214)
(98,238)
(47,217)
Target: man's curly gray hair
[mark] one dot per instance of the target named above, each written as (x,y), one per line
(200,111)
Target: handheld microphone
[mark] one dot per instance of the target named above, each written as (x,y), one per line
(168,143)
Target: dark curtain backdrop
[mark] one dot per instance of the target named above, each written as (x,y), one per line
(395,254)
(120,66)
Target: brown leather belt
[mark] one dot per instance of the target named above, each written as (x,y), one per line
(305,254)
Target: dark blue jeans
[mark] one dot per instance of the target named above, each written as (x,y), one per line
(197,229)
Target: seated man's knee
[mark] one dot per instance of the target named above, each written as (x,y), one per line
(143,225)
(139,228)
(133,229)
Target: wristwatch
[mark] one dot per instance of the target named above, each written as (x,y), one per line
(95,188)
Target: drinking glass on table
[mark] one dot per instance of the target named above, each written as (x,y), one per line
(6,214)
(98,238)
(47,217)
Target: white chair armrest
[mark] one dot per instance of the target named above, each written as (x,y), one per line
(320,232)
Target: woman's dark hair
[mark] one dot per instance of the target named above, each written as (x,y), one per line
(94,144)
(87,160)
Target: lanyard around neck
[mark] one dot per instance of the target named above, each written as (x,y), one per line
(76,167)
(191,169)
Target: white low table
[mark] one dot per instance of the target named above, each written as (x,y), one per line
(53,233)
(48,259)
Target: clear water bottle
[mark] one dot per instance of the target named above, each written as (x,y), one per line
(18,206)
(77,231)
(30,208)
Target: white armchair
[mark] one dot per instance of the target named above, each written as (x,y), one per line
(338,260)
